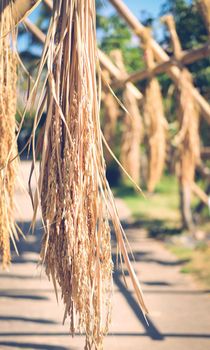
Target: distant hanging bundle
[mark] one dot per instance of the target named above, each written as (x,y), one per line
(187,140)
(132,128)
(188,143)
(75,197)
(155,121)
(8,148)
(111,114)
(131,137)
(204,6)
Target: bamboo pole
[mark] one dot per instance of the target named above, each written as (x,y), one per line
(35,30)
(109,66)
(186,57)
(104,59)
(21,9)
(117,73)
(160,54)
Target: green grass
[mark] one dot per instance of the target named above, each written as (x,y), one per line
(198,261)
(163,205)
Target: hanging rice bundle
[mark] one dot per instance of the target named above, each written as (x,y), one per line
(155,122)
(132,132)
(74,194)
(8,149)
(188,143)
(111,114)
(187,140)
(204,6)
(176,45)
(131,137)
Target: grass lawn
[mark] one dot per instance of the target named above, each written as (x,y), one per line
(198,261)
(159,214)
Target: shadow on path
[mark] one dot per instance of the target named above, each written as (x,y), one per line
(151,330)
(11,295)
(26,319)
(32,245)
(32,346)
(116,334)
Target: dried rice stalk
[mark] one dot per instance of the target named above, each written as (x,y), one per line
(8,149)
(75,196)
(132,127)
(204,6)
(155,122)
(111,114)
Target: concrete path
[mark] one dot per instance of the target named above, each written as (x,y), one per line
(179,311)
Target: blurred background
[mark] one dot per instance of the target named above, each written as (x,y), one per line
(161,137)
(161,210)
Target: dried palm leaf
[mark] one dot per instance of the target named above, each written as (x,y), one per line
(73,191)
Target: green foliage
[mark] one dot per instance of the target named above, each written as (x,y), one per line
(187,16)
(115,34)
(192,33)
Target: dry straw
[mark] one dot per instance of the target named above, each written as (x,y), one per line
(76,200)
(132,129)
(154,120)
(8,148)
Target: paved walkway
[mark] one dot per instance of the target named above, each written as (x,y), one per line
(179,312)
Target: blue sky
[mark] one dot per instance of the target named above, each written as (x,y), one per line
(136,6)
(152,6)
